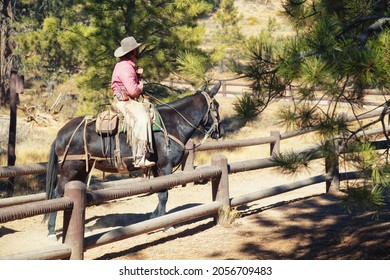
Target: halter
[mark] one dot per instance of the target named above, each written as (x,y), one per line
(213,112)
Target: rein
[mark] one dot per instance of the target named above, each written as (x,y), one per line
(204,120)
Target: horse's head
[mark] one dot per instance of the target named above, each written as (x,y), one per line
(211,119)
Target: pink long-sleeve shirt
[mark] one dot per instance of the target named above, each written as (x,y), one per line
(124,78)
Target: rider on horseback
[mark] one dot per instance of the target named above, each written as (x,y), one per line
(127,85)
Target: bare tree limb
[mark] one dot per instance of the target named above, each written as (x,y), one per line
(376,27)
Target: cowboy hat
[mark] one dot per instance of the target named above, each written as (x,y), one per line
(127,45)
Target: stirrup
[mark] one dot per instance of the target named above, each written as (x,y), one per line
(144,163)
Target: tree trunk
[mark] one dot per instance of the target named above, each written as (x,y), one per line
(16,87)
(6,49)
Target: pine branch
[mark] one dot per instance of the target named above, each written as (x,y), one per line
(291,9)
(384,112)
(377,26)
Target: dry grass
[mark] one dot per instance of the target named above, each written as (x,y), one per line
(257,15)
(32,146)
(33,138)
(32,143)
(226,216)
(259,127)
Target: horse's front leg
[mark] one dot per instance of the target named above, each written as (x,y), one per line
(161,208)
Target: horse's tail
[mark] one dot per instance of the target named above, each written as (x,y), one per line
(51,173)
(51,176)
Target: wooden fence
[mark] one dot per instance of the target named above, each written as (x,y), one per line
(241,86)
(273,140)
(77,198)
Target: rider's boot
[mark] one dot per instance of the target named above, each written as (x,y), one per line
(143,163)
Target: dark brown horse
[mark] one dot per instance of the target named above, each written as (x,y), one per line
(182,119)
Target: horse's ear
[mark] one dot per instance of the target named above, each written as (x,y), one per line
(203,88)
(215,89)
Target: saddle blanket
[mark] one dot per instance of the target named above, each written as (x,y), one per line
(110,122)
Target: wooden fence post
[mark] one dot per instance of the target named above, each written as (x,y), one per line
(332,166)
(275,147)
(74,219)
(220,185)
(290,91)
(188,159)
(16,87)
(189,156)
(224,88)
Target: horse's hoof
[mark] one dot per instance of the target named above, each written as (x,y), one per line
(88,231)
(169,229)
(52,236)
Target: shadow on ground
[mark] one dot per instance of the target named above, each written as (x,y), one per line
(312,228)
(322,229)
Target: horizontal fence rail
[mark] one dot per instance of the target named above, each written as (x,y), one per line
(55,252)
(120,189)
(240,86)
(21,199)
(229,144)
(31,169)
(151,225)
(250,197)
(31,209)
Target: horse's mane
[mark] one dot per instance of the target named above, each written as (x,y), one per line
(179,104)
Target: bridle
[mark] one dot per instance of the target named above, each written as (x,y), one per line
(210,111)
(214,115)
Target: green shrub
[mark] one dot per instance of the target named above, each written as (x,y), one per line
(246,108)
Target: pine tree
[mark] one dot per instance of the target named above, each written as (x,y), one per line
(79,37)
(228,36)
(259,65)
(340,50)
